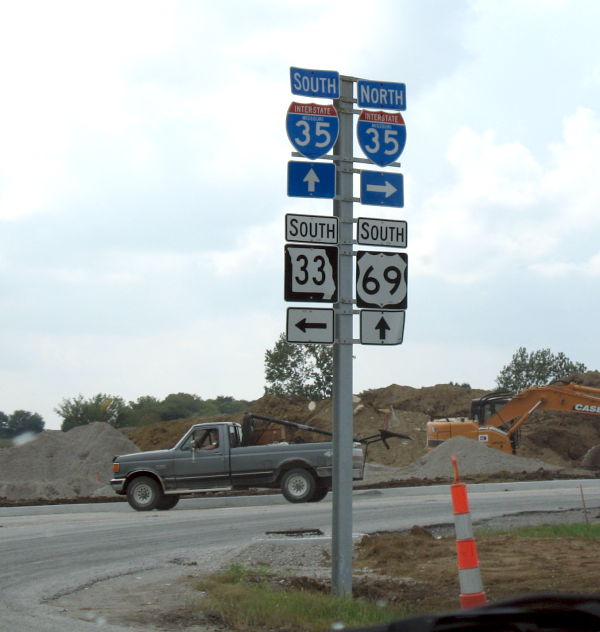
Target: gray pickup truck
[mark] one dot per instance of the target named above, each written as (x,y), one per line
(214,456)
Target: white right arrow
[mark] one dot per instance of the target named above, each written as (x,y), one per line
(388,188)
(311,178)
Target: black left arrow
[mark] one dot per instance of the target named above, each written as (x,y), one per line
(383,327)
(303,325)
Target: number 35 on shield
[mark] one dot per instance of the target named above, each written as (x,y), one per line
(312,128)
(381,279)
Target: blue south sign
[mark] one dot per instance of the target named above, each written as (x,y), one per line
(323,84)
(381,136)
(312,128)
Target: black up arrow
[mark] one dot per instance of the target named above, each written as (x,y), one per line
(383,327)
(303,325)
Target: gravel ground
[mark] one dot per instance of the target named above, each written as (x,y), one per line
(166,599)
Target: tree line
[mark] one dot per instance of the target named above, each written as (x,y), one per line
(19,422)
(112,409)
(304,370)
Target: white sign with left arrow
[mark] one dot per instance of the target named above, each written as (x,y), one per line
(310,325)
(381,327)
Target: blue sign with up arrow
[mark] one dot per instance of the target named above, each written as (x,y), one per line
(382,189)
(311,179)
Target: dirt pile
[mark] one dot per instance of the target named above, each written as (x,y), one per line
(77,463)
(561,439)
(473,458)
(57,464)
(401,409)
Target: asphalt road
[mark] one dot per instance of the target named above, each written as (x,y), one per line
(54,550)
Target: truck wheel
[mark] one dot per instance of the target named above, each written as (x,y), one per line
(167,502)
(320,493)
(144,493)
(298,485)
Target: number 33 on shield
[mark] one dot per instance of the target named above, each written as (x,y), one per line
(381,279)
(311,273)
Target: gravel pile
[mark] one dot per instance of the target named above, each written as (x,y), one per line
(473,458)
(57,464)
(287,552)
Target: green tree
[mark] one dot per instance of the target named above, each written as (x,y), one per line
(145,410)
(80,411)
(297,369)
(5,432)
(23,421)
(228,405)
(181,405)
(535,368)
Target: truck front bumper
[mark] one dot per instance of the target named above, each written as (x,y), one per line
(118,485)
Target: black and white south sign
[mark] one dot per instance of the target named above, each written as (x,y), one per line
(381,279)
(311,228)
(381,232)
(311,273)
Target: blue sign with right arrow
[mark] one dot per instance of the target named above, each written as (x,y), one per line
(379,188)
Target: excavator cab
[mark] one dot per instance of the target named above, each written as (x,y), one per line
(482,408)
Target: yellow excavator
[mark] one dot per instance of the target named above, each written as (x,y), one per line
(497,418)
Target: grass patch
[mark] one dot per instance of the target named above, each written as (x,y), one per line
(579,530)
(246,599)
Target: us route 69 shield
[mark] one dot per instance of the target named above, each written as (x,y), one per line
(381,279)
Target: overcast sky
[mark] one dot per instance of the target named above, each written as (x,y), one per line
(143,157)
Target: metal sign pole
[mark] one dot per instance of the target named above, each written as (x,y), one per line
(341,545)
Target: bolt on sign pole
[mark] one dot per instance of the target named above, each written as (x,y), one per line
(341,546)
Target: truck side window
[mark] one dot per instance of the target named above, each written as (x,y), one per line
(208,440)
(234,437)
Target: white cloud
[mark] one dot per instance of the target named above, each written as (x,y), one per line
(507,208)
(257,247)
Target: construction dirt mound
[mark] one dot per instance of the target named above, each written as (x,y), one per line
(556,438)
(63,465)
(76,464)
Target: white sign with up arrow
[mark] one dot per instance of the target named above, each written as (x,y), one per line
(381,327)
(310,325)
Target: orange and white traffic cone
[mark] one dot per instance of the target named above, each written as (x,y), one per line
(469,575)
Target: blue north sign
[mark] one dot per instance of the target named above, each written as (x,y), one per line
(381,94)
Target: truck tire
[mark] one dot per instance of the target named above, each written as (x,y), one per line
(144,493)
(167,502)
(298,485)
(320,493)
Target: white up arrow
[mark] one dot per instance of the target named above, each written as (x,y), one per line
(312,178)
(388,188)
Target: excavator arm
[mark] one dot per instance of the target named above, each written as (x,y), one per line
(563,397)
(500,429)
